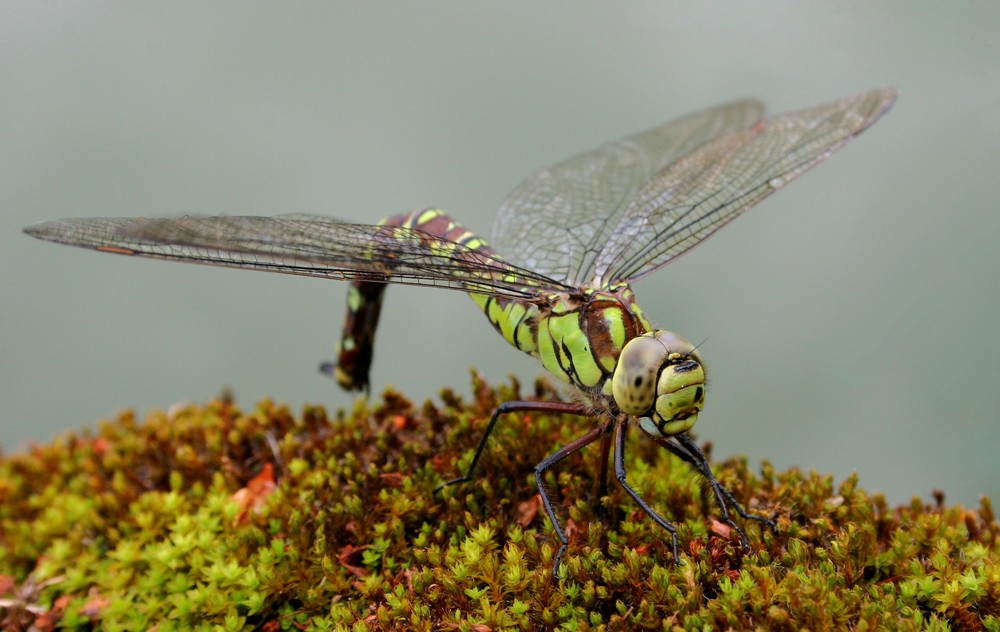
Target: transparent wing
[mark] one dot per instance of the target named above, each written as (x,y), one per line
(559,220)
(304,245)
(695,196)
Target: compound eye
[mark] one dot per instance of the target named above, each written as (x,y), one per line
(675,344)
(634,382)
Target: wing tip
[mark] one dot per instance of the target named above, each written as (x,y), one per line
(42,230)
(884,99)
(870,105)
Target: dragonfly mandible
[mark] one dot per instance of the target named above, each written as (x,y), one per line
(554,278)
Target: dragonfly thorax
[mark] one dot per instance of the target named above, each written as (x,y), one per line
(661,380)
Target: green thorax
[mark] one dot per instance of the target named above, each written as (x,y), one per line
(577,336)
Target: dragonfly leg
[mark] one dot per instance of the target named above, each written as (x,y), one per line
(620,429)
(503,409)
(577,444)
(689,452)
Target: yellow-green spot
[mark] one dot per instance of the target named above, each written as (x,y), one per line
(353,298)
(616,329)
(428,215)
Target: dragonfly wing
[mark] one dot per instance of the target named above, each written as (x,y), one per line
(559,219)
(303,245)
(698,194)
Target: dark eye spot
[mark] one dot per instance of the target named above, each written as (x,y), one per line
(638,381)
(698,394)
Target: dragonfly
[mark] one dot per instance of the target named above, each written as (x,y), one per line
(554,278)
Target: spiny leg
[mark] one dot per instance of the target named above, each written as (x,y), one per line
(702,465)
(620,427)
(689,452)
(503,409)
(540,469)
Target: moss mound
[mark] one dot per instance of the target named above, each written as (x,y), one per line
(209,517)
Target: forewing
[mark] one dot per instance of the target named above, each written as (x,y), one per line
(692,198)
(558,220)
(303,245)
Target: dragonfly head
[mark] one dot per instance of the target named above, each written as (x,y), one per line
(661,380)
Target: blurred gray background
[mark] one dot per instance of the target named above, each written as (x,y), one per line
(851,322)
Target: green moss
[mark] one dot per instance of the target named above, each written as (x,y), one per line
(208,517)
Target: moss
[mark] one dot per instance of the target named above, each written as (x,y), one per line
(209,517)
